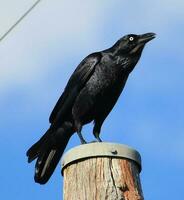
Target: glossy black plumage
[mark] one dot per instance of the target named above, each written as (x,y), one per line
(90,95)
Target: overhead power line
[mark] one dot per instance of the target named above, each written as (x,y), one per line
(19,20)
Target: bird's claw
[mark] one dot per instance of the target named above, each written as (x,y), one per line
(83,141)
(99,139)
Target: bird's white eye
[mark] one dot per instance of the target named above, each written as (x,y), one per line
(131,38)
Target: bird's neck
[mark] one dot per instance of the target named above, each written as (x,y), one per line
(127,62)
(124,59)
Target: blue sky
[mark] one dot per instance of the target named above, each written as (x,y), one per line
(38,57)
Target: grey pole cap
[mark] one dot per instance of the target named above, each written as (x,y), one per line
(100,149)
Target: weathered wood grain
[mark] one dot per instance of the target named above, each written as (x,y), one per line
(102,178)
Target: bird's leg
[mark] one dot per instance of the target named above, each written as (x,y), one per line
(96,131)
(79,129)
(82,140)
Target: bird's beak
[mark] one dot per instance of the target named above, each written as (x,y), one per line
(146,38)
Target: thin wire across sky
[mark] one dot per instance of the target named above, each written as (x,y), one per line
(19,20)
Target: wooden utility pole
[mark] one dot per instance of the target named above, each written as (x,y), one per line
(102,171)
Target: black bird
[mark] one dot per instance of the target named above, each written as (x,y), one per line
(89,95)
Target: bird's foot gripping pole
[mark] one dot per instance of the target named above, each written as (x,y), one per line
(98,138)
(83,141)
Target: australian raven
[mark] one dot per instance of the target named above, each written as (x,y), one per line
(89,95)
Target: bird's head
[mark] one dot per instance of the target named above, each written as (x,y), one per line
(133,44)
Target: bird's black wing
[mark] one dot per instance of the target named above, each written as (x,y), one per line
(76,82)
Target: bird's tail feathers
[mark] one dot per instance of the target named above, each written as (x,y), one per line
(48,151)
(35,149)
